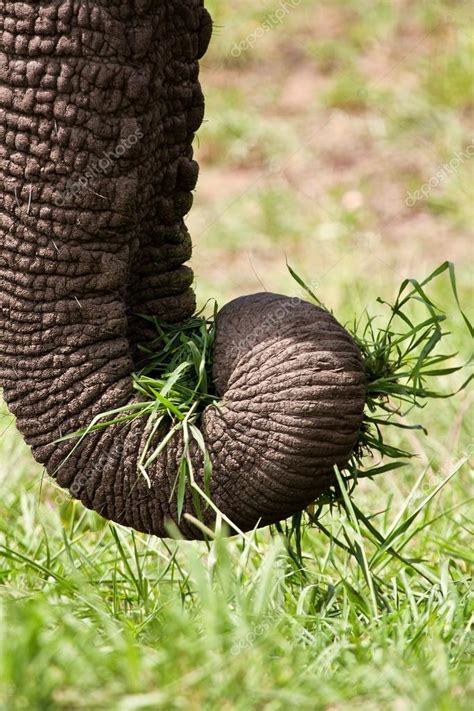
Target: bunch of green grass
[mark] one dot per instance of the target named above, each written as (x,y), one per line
(403,366)
(175,384)
(400,358)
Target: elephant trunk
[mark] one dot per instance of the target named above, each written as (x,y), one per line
(99,103)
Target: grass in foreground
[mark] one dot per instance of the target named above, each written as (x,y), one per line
(95,616)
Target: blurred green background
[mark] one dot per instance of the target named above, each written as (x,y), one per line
(337,137)
(317,132)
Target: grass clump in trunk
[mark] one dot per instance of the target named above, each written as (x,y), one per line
(174,383)
(401,357)
(401,360)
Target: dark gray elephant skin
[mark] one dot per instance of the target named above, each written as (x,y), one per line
(99,104)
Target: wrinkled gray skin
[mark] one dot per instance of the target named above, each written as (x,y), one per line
(88,240)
